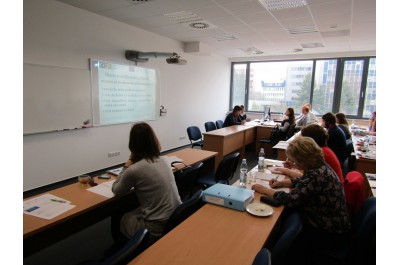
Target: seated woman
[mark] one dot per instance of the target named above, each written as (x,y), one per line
(320,136)
(319,197)
(372,124)
(154,184)
(242,115)
(233,118)
(343,124)
(285,124)
(337,139)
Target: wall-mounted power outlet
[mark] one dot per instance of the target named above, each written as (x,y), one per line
(115,153)
(182,138)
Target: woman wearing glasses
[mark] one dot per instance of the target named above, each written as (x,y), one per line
(319,197)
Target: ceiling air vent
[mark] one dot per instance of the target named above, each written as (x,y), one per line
(225,37)
(282,4)
(251,50)
(138,1)
(302,30)
(312,45)
(190,20)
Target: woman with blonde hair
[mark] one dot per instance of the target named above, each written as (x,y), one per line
(319,197)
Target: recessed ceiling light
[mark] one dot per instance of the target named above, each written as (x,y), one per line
(282,4)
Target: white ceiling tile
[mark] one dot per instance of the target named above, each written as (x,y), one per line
(254,18)
(244,7)
(332,7)
(296,23)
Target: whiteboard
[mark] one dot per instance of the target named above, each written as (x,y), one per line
(55,98)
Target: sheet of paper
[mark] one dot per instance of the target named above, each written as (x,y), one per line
(115,171)
(266,184)
(46,206)
(103,189)
(271,163)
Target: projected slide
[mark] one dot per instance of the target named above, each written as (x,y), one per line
(123,93)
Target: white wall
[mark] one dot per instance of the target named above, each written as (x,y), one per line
(56,34)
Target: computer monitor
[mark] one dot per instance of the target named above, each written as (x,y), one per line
(267,113)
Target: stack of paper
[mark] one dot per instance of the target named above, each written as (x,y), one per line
(47,206)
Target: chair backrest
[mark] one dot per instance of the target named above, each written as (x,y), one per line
(354,191)
(186,180)
(290,230)
(227,167)
(263,257)
(183,211)
(290,131)
(131,249)
(194,133)
(219,124)
(363,246)
(210,126)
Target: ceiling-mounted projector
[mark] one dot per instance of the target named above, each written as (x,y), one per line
(137,56)
(176,60)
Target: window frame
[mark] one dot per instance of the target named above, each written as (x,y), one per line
(337,88)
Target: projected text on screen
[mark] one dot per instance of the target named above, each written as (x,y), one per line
(123,93)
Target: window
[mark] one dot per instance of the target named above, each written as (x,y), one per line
(330,85)
(278,85)
(370,93)
(324,86)
(239,85)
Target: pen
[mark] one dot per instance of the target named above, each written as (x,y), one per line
(54,200)
(277,177)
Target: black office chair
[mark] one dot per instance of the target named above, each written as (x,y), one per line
(263,257)
(186,180)
(348,164)
(195,136)
(183,211)
(272,140)
(219,124)
(289,231)
(362,248)
(290,132)
(225,171)
(210,126)
(135,245)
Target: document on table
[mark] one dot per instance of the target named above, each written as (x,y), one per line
(263,178)
(47,206)
(103,189)
(281,145)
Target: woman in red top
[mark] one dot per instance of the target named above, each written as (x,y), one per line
(320,136)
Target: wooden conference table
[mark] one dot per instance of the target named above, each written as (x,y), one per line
(213,235)
(90,207)
(235,138)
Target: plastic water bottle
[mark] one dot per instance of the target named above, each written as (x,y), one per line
(243,174)
(261,157)
(353,124)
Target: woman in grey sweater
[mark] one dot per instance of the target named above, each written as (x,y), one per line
(153,183)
